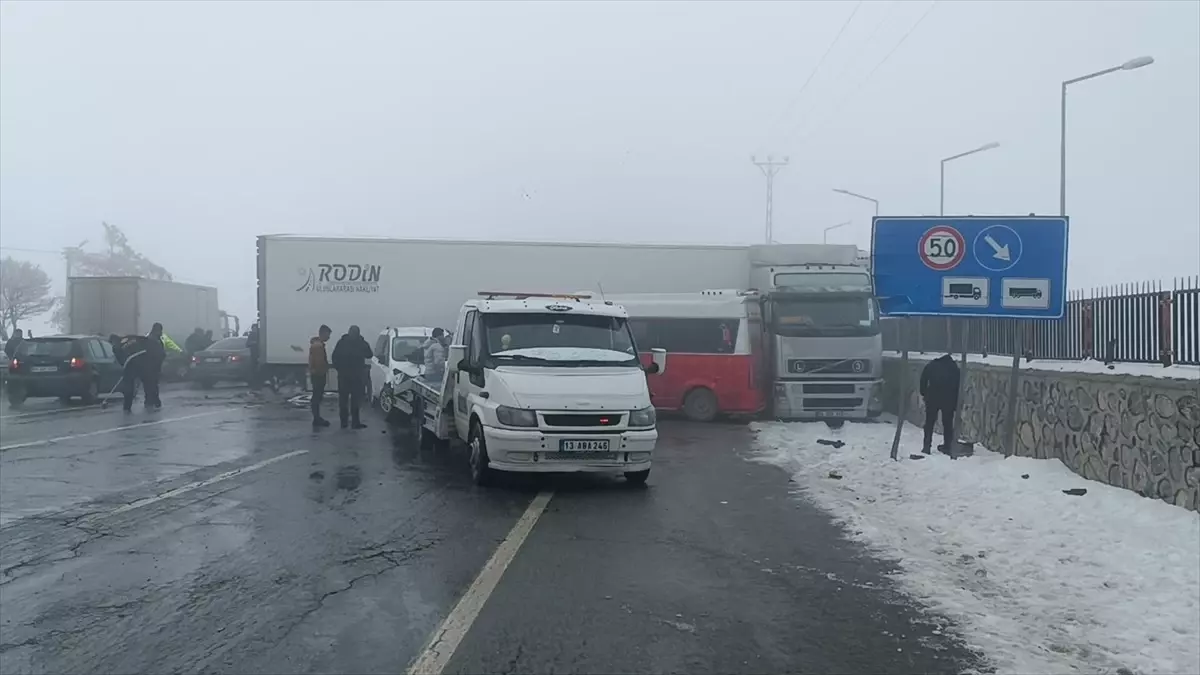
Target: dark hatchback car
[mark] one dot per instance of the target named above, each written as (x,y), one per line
(226,360)
(62,366)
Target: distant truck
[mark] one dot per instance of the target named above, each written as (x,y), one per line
(131,305)
(823,340)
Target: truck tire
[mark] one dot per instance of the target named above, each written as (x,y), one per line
(637,477)
(700,405)
(835,424)
(481,473)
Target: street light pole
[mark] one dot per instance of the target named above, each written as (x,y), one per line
(1131,64)
(848,193)
(942,190)
(825,236)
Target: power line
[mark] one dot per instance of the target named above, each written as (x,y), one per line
(796,99)
(807,113)
(879,65)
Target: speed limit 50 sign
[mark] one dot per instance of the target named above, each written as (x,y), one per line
(942,248)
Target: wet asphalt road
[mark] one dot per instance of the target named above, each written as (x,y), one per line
(221,534)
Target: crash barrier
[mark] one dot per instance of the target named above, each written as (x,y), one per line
(1137,432)
(1150,322)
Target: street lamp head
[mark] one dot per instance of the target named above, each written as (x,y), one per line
(1133,64)
(989,146)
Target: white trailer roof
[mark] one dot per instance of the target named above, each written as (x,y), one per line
(548,305)
(506,242)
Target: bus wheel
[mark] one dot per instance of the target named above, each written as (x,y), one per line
(700,405)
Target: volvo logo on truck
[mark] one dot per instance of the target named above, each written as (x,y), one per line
(340,278)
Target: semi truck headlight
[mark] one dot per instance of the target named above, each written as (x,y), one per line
(515,417)
(642,418)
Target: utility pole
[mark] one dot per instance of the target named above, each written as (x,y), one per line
(770,166)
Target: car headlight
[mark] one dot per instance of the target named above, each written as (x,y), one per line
(642,418)
(515,417)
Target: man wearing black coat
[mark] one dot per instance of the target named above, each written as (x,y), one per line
(349,357)
(939,388)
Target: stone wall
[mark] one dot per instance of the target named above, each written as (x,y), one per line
(1136,432)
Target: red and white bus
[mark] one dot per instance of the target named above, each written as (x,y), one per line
(714,341)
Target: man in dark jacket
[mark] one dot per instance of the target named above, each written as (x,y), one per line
(15,341)
(939,388)
(194,342)
(156,354)
(351,352)
(130,352)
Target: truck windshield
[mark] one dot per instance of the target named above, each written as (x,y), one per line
(844,316)
(559,339)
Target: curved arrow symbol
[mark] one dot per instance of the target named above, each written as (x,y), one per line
(1001,252)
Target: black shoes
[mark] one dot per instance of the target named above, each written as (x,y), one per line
(320,422)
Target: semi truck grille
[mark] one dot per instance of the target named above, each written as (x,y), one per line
(828,388)
(582,420)
(832,403)
(833,366)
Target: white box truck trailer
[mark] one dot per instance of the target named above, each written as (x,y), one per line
(306,281)
(131,305)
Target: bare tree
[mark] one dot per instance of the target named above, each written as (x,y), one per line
(118,260)
(24,291)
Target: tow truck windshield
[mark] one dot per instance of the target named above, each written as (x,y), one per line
(558,340)
(842,316)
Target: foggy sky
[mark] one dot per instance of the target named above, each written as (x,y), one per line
(196,126)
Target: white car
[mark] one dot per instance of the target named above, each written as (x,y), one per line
(393,347)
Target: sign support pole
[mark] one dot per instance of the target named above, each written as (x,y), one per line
(902,407)
(1010,422)
(952,443)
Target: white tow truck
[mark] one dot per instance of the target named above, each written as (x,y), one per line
(538,383)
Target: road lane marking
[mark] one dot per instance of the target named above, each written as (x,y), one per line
(447,637)
(139,425)
(184,489)
(55,411)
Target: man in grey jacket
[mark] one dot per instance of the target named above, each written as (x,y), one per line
(435,356)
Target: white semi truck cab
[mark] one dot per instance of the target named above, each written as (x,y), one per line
(823,337)
(539,383)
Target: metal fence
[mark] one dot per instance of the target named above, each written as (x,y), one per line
(1138,323)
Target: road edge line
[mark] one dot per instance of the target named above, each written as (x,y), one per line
(101,432)
(450,633)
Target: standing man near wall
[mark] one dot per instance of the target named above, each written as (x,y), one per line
(318,372)
(939,388)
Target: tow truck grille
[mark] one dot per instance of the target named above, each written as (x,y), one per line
(582,420)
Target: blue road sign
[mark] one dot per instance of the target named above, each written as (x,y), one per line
(970,266)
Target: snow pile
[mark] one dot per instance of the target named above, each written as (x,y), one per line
(1177,372)
(1039,581)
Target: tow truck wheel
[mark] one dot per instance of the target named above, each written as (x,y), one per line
(637,477)
(391,413)
(481,473)
(700,405)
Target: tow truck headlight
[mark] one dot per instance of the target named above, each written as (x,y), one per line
(516,417)
(643,418)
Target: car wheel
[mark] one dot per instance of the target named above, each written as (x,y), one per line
(637,477)
(16,395)
(207,384)
(700,405)
(64,399)
(835,424)
(481,473)
(92,393)
(387,405)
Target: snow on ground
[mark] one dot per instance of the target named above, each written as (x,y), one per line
(1098,367)
(1037,580)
